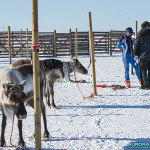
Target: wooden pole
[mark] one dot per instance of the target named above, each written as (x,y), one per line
(36,75)
(27,43)
(91,46)
(12,43)
(110,43)
(135,29)
(71,53)
(76,43)
(9,45)
(132,73)
(21,42)
(55,52)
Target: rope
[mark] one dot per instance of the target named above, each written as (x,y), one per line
(12,132)
(88,97)
(89,65)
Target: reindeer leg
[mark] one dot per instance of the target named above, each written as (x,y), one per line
(48,97)
(52,95)
(21,141)
(69,73)
(46,133)
(3,127)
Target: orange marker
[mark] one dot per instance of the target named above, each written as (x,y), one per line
(102,85)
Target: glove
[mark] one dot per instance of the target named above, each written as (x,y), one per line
(137,59)
(121,38)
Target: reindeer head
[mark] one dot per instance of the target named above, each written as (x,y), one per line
(77,66)
(14,97)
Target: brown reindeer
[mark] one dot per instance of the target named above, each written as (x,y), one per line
(15,94)
(55,71)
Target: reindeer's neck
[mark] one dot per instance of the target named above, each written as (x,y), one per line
(71,68)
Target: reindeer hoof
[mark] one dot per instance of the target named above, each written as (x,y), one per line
(21,144)
(45,139)
(46,136)
(53,106)
(48,104)
(3,144)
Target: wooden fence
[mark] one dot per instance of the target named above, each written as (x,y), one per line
(58,44)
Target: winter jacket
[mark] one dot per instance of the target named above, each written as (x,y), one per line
(142,44)
(127,55)
(127,45)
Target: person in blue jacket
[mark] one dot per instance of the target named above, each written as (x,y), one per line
(126,42)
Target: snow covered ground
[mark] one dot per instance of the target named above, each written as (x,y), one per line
(110,121)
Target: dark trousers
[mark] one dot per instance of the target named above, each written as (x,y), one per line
(145,73)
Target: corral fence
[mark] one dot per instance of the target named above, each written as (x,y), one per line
(58,44)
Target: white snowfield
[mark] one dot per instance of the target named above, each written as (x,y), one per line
(112,120)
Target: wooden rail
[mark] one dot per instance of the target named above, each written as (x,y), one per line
(53,44)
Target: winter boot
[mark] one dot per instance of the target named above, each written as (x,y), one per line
(127,83)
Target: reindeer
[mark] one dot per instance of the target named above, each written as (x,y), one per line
(55,71)
(16,88)
(62,71)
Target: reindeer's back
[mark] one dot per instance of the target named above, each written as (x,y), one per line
(24,69)
(21,62)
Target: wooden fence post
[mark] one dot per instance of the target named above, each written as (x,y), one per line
(76,45)
(91,47)
(55,51)
(9,45)
(105,42)
(71,54)
(132,73)
(135,29)
(27,43)
(21,42)
(110,42)
(36,75)
(12,43)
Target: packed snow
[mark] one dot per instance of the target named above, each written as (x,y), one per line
(112,120)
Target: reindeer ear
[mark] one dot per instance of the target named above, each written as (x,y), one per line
(5,86)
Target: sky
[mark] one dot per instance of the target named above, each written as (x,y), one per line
(63,15)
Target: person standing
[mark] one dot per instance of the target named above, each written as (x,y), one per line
(142,53)
(126,42)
